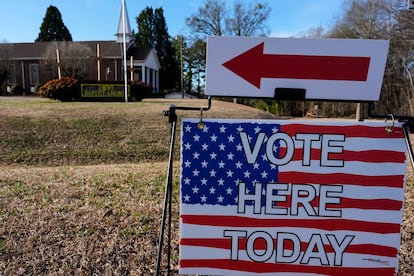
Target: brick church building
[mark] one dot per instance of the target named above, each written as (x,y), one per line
(31,64)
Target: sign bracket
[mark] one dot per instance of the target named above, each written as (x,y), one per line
(172,119)
(408,127)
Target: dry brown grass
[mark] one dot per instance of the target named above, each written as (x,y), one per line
(104,219)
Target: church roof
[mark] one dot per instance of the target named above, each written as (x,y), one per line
(108,49)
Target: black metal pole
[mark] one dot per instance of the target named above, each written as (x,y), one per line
(406,129)
(167,195)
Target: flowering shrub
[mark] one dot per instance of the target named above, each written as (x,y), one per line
(140,90)
(63,89)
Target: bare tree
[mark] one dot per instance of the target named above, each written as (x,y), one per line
(385,19)
(245,19)
(210,18)
(248,19)
(74,59)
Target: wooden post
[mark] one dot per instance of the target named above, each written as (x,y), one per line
(98,61)
(58,63)
(131,68)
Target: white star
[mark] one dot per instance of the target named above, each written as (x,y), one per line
(187,164)
(222,146)
(204,181)
(238,181)
(196,155)
(212,173)
(239,129)
(264,157)
(204,146)
(196,138)
(273,166)
(230,156)
(220,199)
(275,129)
(203,198)
(221,182)
(257,129)
(205,129)
(213,155)
(221,164)
(187,128)
(187,146)
(213,138)
(223,129)
(204,164)
(239,165)
(229,173)
(195,190)
(239,147)
(231,138)
(212,190)
(196,172)
(264,174)
(246,174)
(187,181)
(229,191)
(186,198)
(256,166)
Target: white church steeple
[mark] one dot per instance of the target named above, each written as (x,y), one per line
(128,33)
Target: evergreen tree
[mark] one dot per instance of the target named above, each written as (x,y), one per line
(153,32)
(53,28)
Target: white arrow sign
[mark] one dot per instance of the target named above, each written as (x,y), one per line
(327,69)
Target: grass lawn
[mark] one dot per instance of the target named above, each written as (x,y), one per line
(82,185)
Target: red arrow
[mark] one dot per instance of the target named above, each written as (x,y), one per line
(253,65)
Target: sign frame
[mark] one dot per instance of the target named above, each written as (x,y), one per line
(221,81)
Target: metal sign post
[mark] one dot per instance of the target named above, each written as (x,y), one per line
(172,118)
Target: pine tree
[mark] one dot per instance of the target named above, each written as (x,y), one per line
(53,28)
(153,32)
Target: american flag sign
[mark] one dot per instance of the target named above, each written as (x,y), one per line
(291,197)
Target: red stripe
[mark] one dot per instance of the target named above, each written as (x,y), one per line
(280,268)
(375,156)
(369,249)
(328,224)
(348,131)
(392,181)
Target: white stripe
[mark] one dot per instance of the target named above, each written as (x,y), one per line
(363,144)
(363,192)
(210,271)
(386,216)
(383,216)
(214,232)
(354,167)
(350,191)
(349,259)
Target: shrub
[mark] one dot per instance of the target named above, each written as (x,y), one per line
(17,89)
(63,89)
(139,91)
